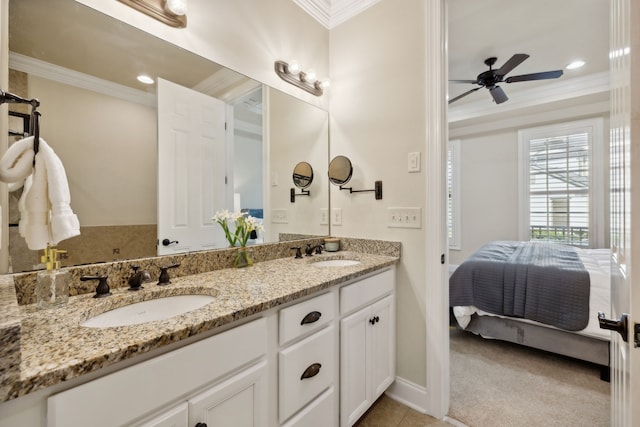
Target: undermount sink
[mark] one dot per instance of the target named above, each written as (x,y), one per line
(336,263)
(148,311)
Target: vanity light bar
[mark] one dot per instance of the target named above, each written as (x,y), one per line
(299,78)
(159,10)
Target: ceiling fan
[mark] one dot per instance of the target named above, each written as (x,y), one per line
(491,77)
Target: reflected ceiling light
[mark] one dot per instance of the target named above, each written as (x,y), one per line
(143,78)
(291,73)
(170,12)
(575,64)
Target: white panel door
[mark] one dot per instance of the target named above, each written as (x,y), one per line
(625,173)
(191,169)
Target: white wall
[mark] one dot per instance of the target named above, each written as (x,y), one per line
(489,191)
(112,181)
(378,116)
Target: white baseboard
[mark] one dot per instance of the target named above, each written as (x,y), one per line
(409,394)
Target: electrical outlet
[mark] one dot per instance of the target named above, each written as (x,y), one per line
(324,216)
(279,216)
(336,216)
(404,217)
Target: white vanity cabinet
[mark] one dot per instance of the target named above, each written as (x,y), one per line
(222,381)
(367,343)
(307,363)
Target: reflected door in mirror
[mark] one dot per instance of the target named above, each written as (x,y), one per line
(191,168)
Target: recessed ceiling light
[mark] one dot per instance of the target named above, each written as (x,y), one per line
(575,64)
(143,78)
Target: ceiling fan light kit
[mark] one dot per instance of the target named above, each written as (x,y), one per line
(489,79)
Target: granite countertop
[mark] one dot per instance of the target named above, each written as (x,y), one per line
(55,348)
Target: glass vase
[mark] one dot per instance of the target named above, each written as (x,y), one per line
(243,258)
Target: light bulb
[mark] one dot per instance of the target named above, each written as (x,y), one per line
(293,67)
(177,7)
(310,76)
(325,83)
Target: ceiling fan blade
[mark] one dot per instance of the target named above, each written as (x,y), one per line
(535,76)
(498,94)
(512,63)
(464,94)
(464,81)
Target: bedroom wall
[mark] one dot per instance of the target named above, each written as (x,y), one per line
(489,191)
(489,182)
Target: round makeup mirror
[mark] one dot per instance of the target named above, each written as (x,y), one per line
(340,170)
(302,175)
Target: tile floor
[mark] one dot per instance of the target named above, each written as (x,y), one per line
(386,412)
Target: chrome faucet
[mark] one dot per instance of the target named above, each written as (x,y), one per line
(138,278)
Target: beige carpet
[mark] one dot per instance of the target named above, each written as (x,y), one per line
(496,384)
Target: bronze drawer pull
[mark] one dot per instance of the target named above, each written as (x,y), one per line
(314,316)
(311,371)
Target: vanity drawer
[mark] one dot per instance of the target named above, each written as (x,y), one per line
(366,291)
(305,317)
(305,370)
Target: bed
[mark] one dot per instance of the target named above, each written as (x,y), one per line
(534,294)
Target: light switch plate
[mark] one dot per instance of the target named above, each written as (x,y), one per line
(413,162)
(404,217)
(336,216)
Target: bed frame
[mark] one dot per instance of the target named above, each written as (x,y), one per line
(557,341)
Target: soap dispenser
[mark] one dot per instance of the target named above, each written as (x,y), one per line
(52,284)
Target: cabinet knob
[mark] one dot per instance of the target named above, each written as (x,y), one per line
(311,371)
(374,320)
(314,316)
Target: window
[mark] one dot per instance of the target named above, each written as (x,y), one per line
(561,183)
(453,191)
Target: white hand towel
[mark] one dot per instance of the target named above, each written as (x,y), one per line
(17,163)
(46,215)
(64,223)
(34,220)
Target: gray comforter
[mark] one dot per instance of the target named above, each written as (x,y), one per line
(539,281)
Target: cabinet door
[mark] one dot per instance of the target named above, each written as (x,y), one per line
(382,352)
(175,417)
(355,394)
(240,401)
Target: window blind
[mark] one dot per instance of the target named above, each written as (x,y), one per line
(559,194)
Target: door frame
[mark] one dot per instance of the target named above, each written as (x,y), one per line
(437,135)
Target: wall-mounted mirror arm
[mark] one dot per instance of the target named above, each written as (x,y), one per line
(377,190)
(303,192)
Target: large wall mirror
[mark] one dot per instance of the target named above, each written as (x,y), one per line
(102,122)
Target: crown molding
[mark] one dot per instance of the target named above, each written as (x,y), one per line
(552,92)
(73,78)
(343,10)
(331,13)
(320,10)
